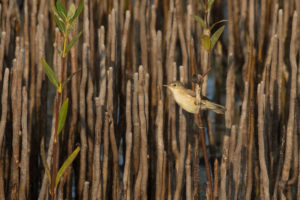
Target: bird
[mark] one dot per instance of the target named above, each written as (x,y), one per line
(186,99)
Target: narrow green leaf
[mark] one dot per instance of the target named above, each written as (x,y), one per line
(218,22)
(205,40)
(61,9)
(210,3)
(62,116)
(200,20)
(73,42)
(70,78)
(44,162)
(215,37)
(55,11)
(60,25)
(78,11)
(64,167)
(71,11)
(50,74)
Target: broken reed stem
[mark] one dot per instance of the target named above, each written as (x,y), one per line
(250,128)
(160,149)
(261,132)
(16,98)
(96,157)
(114,148)
(223,168)
(143,122)
(105,153)
(127,167)
(188,174)
(126,179)
(293,91)
(136,127)
(4,109)
(85,195)
(24,153)
(82,114)
(241,137)
(164,177)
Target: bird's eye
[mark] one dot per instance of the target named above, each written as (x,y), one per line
(174,84)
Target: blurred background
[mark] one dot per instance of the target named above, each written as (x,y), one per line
(136,143)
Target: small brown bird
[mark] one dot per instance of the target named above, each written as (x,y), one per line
(186,99)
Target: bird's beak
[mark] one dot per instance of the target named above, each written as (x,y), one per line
(165,85)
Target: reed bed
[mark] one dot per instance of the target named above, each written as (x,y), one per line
(136,143)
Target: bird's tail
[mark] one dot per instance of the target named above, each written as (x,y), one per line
(208,105)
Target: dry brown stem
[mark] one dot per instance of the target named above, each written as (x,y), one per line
(82,113)
(160,150)
(290,127)
(127,175)
(223,168)
(4,109)
(24,153)
(261,132)
(188,174)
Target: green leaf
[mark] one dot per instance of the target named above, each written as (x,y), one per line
(210,3)
(78,11)
(218,22)
(205,40)
(60,25)
(215,37)
(61,9)
(55,12)
(49,72)
(62,116)
(64,167)
(44,162)
(72,42)
(200,20)
(71,11)
(70,78)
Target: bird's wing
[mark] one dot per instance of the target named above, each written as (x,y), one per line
(191,92)
(204,99)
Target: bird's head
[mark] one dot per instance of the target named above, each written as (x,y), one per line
(173,86)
